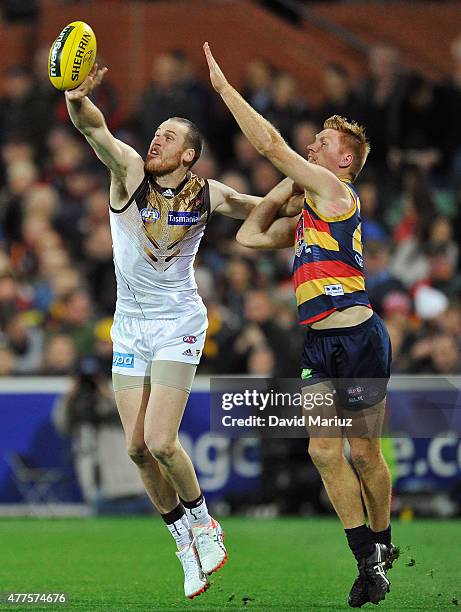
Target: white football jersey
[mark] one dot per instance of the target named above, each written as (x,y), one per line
(155,239)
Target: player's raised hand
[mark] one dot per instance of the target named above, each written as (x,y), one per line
(94,78)
(218,80)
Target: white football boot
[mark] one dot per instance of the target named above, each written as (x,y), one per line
(209,542)
(195,581)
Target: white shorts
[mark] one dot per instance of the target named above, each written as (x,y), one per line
(139,342)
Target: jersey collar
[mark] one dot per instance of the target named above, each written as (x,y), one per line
(168,192)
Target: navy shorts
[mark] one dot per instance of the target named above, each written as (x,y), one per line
(356,359)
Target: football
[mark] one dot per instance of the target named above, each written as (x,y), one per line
(72,56)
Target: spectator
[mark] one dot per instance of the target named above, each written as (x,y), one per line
(418,127)
(442,270)
(261,361)
(380,282)
(20,108)
(26,344)
(379,99)
(287,107)
(74,317)
(371,209)
(448,103)
(60,357)
(257,85)
(340,98)
(412,233)
(261,330)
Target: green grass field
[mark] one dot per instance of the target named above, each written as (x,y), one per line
(122,564)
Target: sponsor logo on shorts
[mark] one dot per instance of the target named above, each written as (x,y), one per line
(190,339)
(355,394)
(355,390)
(333,289)
(306,373)
(123,360)
(185,217)
(149,215)
(197,352)
(188,353)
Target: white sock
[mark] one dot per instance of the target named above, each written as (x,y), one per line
(180,530)
(198,515)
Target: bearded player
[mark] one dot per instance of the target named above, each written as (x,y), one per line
(158,212)
(344,339)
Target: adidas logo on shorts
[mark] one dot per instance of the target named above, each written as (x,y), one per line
(188,353)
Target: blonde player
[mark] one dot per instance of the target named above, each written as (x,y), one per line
(347,347)
(158,212)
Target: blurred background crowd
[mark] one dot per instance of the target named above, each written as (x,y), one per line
(57,285)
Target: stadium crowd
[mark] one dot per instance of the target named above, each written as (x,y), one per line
(57,285)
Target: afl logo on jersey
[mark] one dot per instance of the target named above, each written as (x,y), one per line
(149,215)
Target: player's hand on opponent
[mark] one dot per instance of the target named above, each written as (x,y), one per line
(94,78)
(218,80)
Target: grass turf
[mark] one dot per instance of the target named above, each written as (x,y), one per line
(122,564)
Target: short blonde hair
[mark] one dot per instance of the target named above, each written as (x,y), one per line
(354,137)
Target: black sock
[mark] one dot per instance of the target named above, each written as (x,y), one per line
(174,515)
(194,503)
(382,537)
(360,541)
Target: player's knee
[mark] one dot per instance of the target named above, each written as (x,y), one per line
(364,457)
(162,449)
(138,453)
(324,453)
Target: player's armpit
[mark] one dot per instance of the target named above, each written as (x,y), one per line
(279,235)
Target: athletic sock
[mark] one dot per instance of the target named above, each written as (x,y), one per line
(360,541)
(178,525)
(382,537)
(197,512)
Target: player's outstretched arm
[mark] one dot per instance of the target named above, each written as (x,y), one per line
(265,228)
(230,202)
(268,141)
(89,120)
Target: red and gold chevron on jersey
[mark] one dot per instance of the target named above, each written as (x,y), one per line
(328,265)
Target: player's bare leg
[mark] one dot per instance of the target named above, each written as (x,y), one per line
(326,450)
(344,489)
(375,479)
(339,479)
(372,469)
(163,416)
(132,405)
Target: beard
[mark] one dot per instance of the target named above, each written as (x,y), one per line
(159,167)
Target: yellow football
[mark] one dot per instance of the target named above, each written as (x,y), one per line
(72,56)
